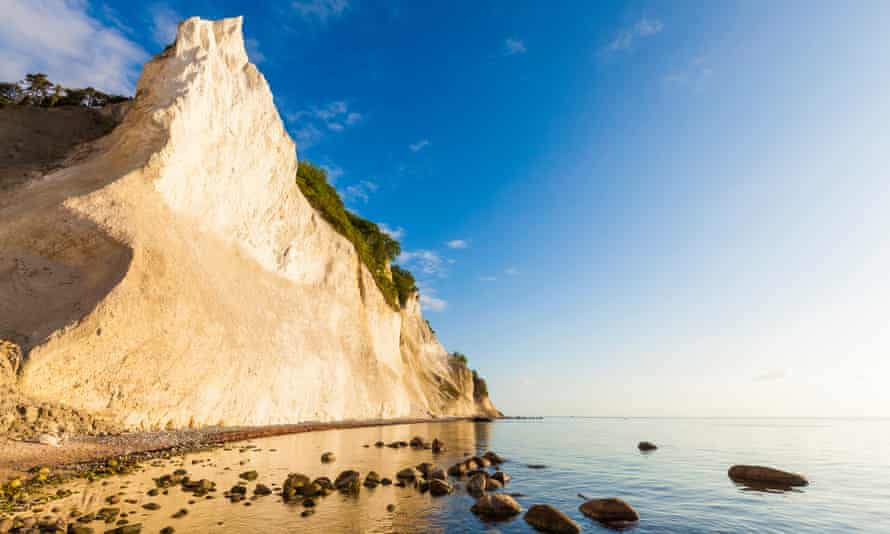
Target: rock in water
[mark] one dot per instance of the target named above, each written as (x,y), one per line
(611,511)
(439,487)
(646,446)
(240,253)
(348,481)
(548,519)
(477,484)
(766,476)
(328,457)
(496,507)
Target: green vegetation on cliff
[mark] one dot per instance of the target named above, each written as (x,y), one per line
(37,90)
(375,248)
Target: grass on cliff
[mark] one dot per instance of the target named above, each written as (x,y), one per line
(374,247)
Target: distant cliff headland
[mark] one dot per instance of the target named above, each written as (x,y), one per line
(166,262)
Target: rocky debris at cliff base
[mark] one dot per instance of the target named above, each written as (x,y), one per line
(766,476)
(548,519)
(26,419)
(612,511)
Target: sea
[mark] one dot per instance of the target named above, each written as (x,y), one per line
(682,487)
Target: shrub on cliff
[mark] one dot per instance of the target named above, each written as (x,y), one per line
(375,248)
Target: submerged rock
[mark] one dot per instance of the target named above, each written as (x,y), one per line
(497,507)
(548,519)
(611,511)
(766,476)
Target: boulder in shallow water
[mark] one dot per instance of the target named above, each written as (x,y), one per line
(477,484)
(548,519)
(501,477)
(766,476)
(328,457)
(438,446)
(348,481)
(646,446)
(493,457)
(496,507)
(409,473)
(458,470)
(439,487)
(611,511)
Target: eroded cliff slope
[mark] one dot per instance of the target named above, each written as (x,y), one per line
(178,276)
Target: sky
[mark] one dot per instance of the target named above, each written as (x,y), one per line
(612,208)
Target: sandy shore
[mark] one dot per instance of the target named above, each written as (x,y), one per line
(17,457)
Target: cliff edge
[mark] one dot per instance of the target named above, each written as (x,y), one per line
(178,277)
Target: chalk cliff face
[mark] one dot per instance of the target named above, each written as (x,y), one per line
(178,277)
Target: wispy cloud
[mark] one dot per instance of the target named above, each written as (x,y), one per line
(333,171)
(310,124)
(360,191)
(626,38)
(253,51)
(320,10)
(457,243)
(694,74)
(396,233)
(513,46)
(770,376)
(61,39)
(420,145)
(424,261)
(511,271)
(164,22)
(430,302)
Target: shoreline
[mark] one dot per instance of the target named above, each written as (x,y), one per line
(18,457)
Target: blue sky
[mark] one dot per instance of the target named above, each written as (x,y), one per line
(614,208)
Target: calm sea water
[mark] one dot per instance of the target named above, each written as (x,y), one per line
(681,488)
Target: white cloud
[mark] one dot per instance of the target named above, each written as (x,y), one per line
(395,233)
(320,10)
(358,191)
(513,46)
(457,243)
(164,23)
(432,303)
(334,116)
(61,39)
(307,136)
(512,271)
(253,51)
(625,39)
(418,146)
(425,261)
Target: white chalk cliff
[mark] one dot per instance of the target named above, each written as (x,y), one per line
(178,277)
